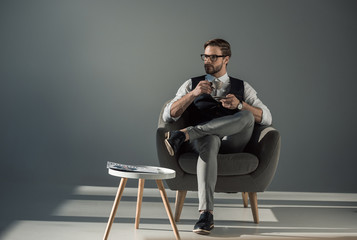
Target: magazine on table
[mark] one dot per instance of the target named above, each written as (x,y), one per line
(131,168)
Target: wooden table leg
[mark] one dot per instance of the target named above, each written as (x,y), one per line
(160,185)
(115,207)
(139,201)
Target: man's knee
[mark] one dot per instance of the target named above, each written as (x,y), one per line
(213,141)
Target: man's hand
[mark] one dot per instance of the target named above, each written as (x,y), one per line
(178,107)
(202,87)
(230,102)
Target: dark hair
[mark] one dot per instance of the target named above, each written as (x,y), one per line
(222,44)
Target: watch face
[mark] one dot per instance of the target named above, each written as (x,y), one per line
(240,106)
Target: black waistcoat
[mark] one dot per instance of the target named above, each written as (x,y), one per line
(204,108)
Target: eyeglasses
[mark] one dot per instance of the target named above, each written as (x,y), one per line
(213,58)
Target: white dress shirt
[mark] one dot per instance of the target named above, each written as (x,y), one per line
(250,97)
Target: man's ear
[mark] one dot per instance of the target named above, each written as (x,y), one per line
(226,59)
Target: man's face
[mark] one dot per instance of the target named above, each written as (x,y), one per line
(217,68)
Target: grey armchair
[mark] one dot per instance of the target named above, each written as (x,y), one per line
(248,172)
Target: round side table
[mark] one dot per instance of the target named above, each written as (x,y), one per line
(157,174)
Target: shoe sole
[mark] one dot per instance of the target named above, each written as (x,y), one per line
(202,231)
(168,145)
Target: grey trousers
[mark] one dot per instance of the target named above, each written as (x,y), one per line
(228,134)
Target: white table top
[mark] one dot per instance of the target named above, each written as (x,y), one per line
(157,173)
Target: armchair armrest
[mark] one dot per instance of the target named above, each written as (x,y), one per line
(265,144)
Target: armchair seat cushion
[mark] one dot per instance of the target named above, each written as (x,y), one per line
(233,164)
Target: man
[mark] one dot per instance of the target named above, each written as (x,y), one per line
(223,110)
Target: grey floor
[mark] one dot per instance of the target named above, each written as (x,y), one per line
(40,211)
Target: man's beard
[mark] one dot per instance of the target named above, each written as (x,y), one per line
(210,69)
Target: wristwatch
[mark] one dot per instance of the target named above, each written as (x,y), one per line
(240,105)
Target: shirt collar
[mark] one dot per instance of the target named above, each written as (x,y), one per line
(224,78)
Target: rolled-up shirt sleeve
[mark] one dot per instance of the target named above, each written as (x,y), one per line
(250,97)
(185,88)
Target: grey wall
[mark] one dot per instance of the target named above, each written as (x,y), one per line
(82,82)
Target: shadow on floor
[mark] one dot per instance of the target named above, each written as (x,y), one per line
(23,201)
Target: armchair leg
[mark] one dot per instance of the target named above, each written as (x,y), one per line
(245,199)
(254,205)
(180,199)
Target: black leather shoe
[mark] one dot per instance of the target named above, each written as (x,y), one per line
(173,141)
(204,224)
